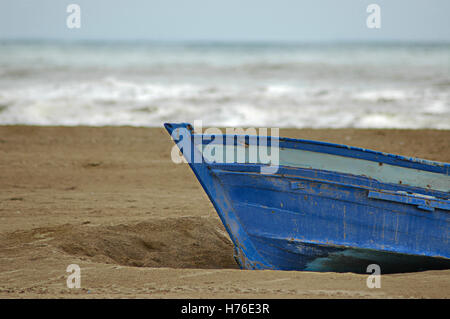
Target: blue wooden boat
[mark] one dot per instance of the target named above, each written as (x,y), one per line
(327,207)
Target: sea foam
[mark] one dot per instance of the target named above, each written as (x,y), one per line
(226,85)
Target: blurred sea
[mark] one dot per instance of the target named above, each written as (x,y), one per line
(226,84)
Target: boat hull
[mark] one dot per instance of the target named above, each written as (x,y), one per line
(304,217)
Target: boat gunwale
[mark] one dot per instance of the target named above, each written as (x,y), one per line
(332,148)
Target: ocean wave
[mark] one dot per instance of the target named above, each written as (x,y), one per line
(271,85)
(113,101)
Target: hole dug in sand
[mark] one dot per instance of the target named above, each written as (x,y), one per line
(186,242)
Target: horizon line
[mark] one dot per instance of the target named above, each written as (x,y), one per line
(224,41)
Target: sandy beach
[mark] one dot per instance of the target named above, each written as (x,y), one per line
(111,200)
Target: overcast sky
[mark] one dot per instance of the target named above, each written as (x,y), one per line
(227,20)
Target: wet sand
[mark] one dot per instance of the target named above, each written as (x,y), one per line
(110,200)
